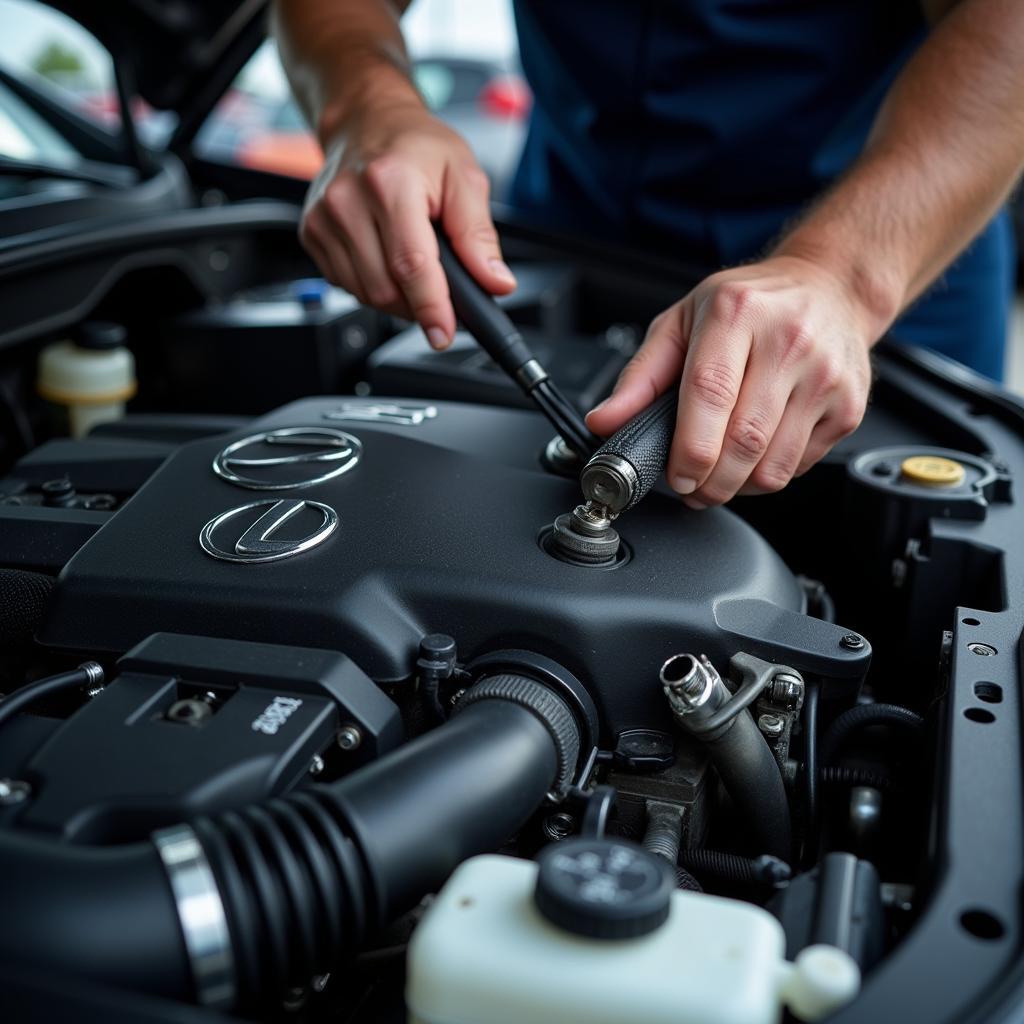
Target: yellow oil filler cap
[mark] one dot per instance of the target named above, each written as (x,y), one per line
(932,471)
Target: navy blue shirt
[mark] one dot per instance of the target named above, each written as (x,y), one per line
(701,127)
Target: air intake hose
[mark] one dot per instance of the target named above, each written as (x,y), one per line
(236,909)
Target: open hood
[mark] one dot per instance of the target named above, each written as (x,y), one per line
(182,54)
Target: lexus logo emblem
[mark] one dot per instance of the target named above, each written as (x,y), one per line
(288,458)
(239,535)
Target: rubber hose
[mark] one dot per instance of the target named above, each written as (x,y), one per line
(302,879)
(810,722)
(732,867)
(849,775)
(14,703)
(684,880)
(751,776)
(860,717)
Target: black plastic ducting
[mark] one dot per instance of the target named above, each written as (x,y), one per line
(304,878)
(548,708)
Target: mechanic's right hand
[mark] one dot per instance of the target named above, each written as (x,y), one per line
(367,218)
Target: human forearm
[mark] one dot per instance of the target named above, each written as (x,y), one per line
(390,167)
(946,148)
(343,57)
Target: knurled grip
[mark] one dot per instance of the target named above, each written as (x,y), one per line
(644,442)
(544,704)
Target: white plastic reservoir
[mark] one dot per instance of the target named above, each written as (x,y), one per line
(92,375)
(484,954)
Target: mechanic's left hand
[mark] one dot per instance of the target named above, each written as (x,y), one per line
(774,364)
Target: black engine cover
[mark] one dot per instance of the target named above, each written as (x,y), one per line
(439,528)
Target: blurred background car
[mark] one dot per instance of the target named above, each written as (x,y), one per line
(486,100)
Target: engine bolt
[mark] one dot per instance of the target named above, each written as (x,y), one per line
(851,642)
(316,766)
(558,826)
(13,791)
(771,725)
(350,736)
(983,649)
(786,690)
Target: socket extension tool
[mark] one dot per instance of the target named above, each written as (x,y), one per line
(500,339)
(615,479)
(618,474)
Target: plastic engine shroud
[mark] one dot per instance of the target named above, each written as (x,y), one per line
(438,531)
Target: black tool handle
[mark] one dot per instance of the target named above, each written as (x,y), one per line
(481,315)
(644,442)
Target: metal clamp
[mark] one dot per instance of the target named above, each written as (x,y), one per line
(201,914)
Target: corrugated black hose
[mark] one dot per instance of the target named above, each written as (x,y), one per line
(235,909)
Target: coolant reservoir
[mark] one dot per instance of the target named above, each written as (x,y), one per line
(92,375)
(596,934)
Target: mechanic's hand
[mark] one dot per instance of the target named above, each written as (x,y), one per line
(368,213)
(774,364)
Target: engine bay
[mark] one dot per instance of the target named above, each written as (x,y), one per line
(288,640)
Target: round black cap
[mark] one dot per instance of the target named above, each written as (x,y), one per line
(99,334)
(603,888)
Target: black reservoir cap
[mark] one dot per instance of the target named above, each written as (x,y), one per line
(603,888)
(99,335)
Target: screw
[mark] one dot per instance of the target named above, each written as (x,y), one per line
(771,725)
(983,649)
(13,791)
(316,766)
(786,690)
(558,826)
(456,697)
(58,492)
(350,736)
(851,642)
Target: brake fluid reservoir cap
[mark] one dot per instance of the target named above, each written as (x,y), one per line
(932,471)
(603,888)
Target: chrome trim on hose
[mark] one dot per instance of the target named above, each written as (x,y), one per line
(201,914)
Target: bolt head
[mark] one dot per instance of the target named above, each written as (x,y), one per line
(985,650)
(316,766)
(787,690)
(350,737)
(771,725)
(852,642)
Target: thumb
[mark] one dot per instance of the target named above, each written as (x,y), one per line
(657,366)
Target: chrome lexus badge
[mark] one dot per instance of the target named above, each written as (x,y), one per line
(288,458)
(405,414)
(244,534)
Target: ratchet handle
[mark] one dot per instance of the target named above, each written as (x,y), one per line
(481,315)
(633,459)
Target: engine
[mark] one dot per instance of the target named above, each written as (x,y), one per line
(306,713)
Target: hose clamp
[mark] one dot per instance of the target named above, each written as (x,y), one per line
(201,914)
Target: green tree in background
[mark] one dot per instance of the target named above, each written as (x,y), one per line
(55,60)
